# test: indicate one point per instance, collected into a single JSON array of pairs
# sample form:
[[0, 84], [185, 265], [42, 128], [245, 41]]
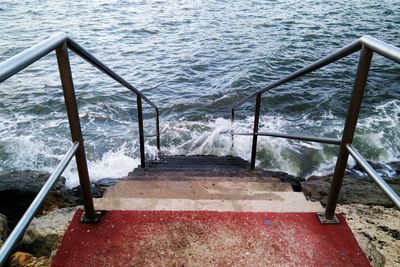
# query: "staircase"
[[207, 183], [206, 211]]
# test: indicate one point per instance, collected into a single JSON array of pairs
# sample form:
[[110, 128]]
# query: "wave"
[[376, 138]]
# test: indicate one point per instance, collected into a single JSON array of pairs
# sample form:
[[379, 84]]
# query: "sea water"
[[194, 60]]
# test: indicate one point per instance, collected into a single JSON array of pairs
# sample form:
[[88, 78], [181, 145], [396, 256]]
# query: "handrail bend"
[[60, 43], [22, 60], [367, 45]]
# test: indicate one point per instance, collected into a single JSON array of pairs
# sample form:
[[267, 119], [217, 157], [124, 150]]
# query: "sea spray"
[[194, 71]]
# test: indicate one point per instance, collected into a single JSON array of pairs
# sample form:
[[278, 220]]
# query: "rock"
[[395, 165], [22, 259], [294, 181], [18, 189], [97, 188], [44, 234], [361, 190], [3, 228], [376, 229], [387, 171]]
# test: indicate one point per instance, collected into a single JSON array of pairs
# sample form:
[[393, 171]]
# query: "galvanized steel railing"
[[60, 43], [367, 45], [26, 219]]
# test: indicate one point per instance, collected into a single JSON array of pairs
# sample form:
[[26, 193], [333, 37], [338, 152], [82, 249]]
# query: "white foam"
[[376, 138], [113, 164]]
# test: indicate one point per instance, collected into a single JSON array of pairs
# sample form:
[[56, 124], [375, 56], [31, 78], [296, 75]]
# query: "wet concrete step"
[[188, 176], [199, 160], [205, 170]]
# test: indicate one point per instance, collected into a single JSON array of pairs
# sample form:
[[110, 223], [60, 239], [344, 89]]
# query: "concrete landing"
[[199, 238]]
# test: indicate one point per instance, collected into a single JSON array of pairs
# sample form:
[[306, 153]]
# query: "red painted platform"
[[203, 238]]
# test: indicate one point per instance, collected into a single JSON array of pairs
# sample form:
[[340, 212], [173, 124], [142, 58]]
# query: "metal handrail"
[[83, 53], [376, 45], [374, 175], [26, 219], [60, 43], [324, 140], [367, 45], [339, 54], [22, 60]]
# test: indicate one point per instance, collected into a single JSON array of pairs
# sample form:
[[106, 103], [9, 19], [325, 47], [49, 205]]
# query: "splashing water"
[[195, 59]]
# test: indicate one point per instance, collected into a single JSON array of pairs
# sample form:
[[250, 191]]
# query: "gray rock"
[[44, 234], [386, 170], [3, 227], [18, 189], [361, 190]]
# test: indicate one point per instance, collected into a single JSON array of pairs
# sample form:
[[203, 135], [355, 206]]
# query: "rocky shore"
[[369, 213], [372, 217], [44, 234]]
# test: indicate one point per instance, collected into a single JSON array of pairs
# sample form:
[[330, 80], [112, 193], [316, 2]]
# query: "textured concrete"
[[276, 202], [204, 238], [272, 196], [196, 189]]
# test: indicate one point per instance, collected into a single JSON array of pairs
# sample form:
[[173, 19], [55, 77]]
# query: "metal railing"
[[26, 219], [60, 43], [367, 45]]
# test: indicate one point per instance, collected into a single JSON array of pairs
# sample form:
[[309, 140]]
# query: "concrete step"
[[197, 161], [200, 158], [274, 196], [197, 190], [276, 202], [189, 176], [222, 172]]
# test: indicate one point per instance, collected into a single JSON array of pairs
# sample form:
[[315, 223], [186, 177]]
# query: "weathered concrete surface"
[[361, 190], [209, 183], [196, 189], [377, 230], [204, 238], [273, 202]]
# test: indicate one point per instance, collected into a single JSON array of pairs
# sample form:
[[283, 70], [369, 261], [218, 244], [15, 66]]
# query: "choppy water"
[[195, 59]]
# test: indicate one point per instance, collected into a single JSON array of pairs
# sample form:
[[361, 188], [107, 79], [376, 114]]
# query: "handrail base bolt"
[[96, 219], [323, 220]]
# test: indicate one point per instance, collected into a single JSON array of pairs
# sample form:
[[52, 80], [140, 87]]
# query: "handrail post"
[[255, 131], [76, 133], [348, 132], [141, 132], [232, 133], [158, 129]]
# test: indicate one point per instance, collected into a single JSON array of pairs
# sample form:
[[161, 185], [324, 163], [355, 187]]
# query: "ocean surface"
[[194, 60]]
